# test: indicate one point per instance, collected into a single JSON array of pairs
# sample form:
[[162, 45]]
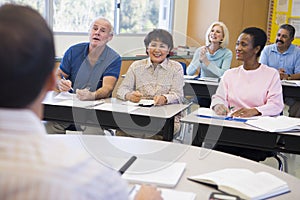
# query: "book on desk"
[[276, 124], [244, 183]]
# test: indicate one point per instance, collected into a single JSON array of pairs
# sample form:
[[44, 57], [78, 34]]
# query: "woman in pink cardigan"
[[251, 89]]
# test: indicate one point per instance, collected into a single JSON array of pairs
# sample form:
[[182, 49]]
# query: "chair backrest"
[[183, 67]]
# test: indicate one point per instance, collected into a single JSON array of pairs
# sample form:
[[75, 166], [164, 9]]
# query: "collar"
[[164, 64], [20, 121], [288, 51]]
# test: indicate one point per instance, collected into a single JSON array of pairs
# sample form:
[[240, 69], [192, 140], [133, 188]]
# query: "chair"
[[183, 67]]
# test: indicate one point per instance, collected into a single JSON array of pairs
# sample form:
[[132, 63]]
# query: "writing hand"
[[221, 109], [64, 85]]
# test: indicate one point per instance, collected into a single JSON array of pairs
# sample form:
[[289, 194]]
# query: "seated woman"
[[213, 59], [156, 77], [251, 89]]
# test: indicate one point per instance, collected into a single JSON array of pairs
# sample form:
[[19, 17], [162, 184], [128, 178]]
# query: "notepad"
[[244, 183], [167, 176], [167, 194], [142, 102], [292, 82], [209, 79], [276, 124]]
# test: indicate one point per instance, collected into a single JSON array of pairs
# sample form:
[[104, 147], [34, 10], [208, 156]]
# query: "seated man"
[[285, 57], [89, 69]]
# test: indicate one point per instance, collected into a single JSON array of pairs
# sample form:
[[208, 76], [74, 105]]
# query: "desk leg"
[[168, 130]]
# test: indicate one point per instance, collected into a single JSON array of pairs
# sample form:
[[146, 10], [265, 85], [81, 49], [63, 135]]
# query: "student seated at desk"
[[251, 89], [90, 69], [214, 58], [33, 164], [156, 77]]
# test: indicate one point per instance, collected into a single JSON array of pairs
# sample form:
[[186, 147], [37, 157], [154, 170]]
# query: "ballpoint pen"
[[65, 80]]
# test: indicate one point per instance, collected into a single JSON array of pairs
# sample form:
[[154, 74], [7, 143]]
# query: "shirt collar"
[[288, 51], [20, 121], [164, 64]]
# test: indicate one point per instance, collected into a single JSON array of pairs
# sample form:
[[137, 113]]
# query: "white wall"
[[132, 45]]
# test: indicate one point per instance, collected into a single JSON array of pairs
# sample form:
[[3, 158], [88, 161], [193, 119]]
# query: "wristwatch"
[[289, 77]]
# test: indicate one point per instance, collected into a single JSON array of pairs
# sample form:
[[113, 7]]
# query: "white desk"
[[114, 151], [232, 133], [117, 115]]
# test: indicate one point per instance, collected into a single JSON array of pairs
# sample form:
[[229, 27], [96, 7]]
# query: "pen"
[[127, 164], [65, 80], [223, 118]]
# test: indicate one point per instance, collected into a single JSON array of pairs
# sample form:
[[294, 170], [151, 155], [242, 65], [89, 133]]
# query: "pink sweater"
[[260, 89]]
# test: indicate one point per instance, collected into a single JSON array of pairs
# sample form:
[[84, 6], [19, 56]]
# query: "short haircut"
[[26, 55], [225, 41], [289, 28], [111, 31], [259, 37], [159, 35]]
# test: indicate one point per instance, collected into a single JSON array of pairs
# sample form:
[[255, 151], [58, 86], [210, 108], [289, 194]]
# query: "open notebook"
[[165, 176]]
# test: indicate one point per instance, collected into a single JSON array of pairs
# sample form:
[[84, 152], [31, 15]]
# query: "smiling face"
[[244, 48], [157, 51], [100, 33], [216, 34], [283, 39]]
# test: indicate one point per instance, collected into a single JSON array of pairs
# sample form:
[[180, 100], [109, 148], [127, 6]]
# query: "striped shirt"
[[34, 165]]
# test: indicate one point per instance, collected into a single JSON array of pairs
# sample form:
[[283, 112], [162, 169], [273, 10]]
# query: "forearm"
[[103, 92]]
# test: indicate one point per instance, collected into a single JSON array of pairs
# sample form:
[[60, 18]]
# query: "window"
[[128, 16]]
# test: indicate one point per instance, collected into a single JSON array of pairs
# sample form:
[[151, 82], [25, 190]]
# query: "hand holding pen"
[[65, 85]]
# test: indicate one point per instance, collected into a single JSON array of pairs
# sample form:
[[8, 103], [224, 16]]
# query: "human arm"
[[127, 85], [195, 63], [63, 84], [175, 93], [274, 98], [148, 192], [103, 92], [220, 66]]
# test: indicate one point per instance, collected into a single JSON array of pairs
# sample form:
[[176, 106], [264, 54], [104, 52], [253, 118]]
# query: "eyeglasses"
[[158, 45]]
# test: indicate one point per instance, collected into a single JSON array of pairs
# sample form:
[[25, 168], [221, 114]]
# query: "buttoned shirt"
[[288, 60], [166, 79], [34, 165]]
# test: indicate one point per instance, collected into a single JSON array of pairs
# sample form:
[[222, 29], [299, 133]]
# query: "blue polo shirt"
[[75, 63], [289, 60]]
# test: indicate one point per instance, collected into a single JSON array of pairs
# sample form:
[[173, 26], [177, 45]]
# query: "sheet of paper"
[[116, 107], [167, 194]]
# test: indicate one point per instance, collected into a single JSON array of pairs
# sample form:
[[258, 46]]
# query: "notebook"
[[164, 176]]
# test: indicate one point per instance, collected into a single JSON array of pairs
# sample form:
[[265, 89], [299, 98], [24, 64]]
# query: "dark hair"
[[289, 28], [159, 35], [259, 37], [26, 55]]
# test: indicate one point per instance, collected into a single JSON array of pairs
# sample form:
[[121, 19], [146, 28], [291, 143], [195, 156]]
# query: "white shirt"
[[34, 165]]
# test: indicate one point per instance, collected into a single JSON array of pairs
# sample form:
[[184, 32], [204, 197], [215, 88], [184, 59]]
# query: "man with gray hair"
[[90, 70]]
